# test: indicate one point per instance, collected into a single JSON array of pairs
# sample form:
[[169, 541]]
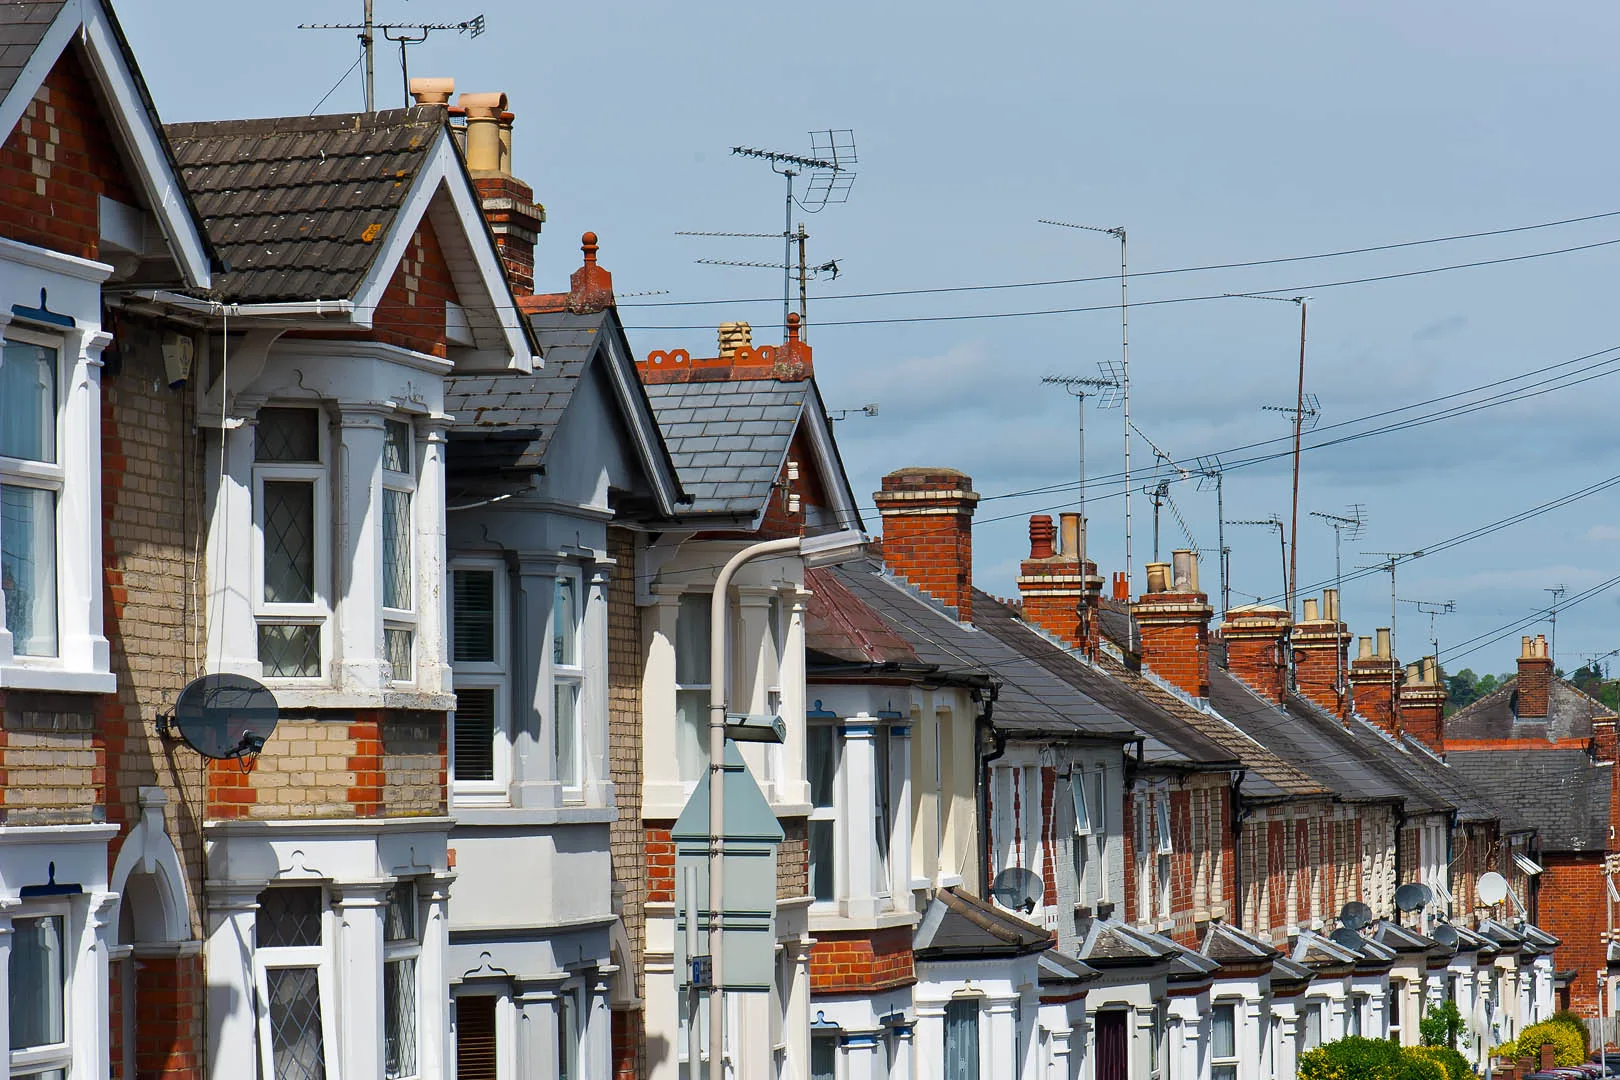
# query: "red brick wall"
[[1255, 650], [660, 863], [1534, 686], [1320, 663], [1177, 652], [928, 533], [168, 1017], [1370, 688], [411, 311], [861, 961], [56, 162], [1571, 902], [628, 1035]]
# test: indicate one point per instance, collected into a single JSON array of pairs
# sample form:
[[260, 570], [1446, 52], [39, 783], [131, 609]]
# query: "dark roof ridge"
[[352, 121]]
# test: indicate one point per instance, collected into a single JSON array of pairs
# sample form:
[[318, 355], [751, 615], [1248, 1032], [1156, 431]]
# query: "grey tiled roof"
[[728, 439], [1561, 793], [22, 26], [1493, 716], [958, 925], [298, 206]]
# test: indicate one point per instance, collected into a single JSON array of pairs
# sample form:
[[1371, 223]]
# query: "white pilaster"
[[83, 643], [596, 1048], [900, 810], [433, 620], [930, 1041], [856, 820], [534, 769], [357, 600], [998, 1049], [793, 785], [232, 633], [593, 705], [360, 949], [233, 1039], [537, 1030], [435, 1052]]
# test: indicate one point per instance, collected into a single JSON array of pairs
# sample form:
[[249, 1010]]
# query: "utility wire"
[[1491, 637], [1139, 273], [341, 80]]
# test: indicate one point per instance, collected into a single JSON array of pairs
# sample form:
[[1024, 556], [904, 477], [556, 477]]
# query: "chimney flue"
[[1184, 571], [1383, 643], [1364, 648], [1040, 536], [1330, 605], [1158, 577], [1312, 611], [734, 336], [483, 132], [430, 90], [1074, 536]]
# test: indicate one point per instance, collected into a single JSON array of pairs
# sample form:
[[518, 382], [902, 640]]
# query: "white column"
[[433, 620], [930, 1042], [857, 817], [900, 812], [1258, 1019], [92, 1043], [1143, 1042], [232, 634], [796, 1018], [233, 1040], [661, 1017], [435, 1051], [594, 696], [905, 1053], [997, 1049], [1285, 1057], [357, 596], [537, 1029], [596, 1049], [793, 787], [83, 643], [5, 981], [860, 1051], [360, 951], [534, 767], [1058, 1048]]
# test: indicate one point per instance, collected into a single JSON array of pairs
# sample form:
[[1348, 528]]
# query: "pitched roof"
[[839, 627], [297, 205], [22, 27], [729, 439], [1558, 792], [1494, 716], [959, 925]]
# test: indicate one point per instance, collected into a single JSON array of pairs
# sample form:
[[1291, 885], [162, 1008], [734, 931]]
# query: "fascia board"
[[638, 414], [831, 463]]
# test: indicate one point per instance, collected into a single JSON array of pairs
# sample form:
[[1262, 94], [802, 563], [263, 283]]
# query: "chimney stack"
[[1061, 590], [1173, 617], [1373, 677], [1534, 685], [928, 532], [1423, 704], [508, 203], [1256, 640], [1321, 667]]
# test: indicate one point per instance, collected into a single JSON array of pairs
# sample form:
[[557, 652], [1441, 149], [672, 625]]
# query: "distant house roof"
[[959, 926], [1494, 716], [729, 439], [1559, 792], [839, 628]]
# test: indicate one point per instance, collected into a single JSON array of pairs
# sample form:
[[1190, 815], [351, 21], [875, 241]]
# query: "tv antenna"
[[1558, 592], [1124, 367], [408, 34], [830, 177], [806, 272], [1274, 522], [1159, 493], [869, 409], [1392, 560], [1080, 388], [1346, 526], [1209, 470], [1432, 608]]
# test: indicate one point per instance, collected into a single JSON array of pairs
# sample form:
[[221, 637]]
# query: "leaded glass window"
[[401, 951]]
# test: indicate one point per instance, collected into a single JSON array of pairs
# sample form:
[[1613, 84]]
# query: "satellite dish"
[[1493, 888], [1355, 915], [1017, 888], [1413, 896], [1346, 938], [1446, 934], [225, 716]]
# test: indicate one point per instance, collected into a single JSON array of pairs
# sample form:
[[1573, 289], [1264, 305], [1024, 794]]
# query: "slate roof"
[[1493, 716], [22, 26], [1559, 793], [728, 439], [1227, 945], [958, 925], [296, 206], [1059, 969]]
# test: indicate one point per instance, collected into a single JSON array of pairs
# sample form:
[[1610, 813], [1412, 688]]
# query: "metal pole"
[[1299, 421], [1394, 668], [1220, 541], [1081, 398], [1338, 645], [1282, 544], [719, 650], [787, 252], [1125, 385], [804, 275], [366, 40]]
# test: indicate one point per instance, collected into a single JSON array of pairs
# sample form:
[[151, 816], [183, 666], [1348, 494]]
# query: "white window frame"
[[827, 814], [884, 765], [319, 957], [1080, 794], [1099, 829], [409, 949], [480, 675], [706, 599], [48, 476], [566, 677], [1218, 1061], [398, 618], [318, 611], [44, 1058], [1165, 854], [570, 1033]]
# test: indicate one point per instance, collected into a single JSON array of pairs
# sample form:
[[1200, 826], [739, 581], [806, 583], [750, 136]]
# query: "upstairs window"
[[398, 561], [291, 519], [824, 750], [567, 679], [31, 482], [480, 741], [692, 686]]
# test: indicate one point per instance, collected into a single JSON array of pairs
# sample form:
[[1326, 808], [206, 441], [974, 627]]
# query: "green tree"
[[1442, 1026]]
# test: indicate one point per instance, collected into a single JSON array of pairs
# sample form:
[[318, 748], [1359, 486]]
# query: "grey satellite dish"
[[1446, 934], [225, 716], [1413, 896], [1493, 888], [1355, 915], [1346, 938], [1017, 888]]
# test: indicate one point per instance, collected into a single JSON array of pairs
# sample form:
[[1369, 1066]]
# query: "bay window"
[[692, 621], [823, 748], [290, 480], [398, 562], [293, 978], [31, 481], [402, 947], [567, 677], [479, 732], [38, 971]]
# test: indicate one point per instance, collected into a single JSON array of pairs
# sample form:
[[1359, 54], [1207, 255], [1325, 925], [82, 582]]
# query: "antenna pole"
[[1080, 400], [1125, 386], [1394, 668], [367, 41], [1552, 647], [1220, 542], [787, 251], [1338, 644], [1299, 421], [804, 274]]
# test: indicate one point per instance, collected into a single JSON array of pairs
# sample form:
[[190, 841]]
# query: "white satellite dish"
[[1493, 888]]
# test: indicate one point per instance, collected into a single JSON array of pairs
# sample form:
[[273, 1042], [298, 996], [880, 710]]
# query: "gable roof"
[[1494, 716], [958, 925], [729, 439], [33, 36], [1558, 792]]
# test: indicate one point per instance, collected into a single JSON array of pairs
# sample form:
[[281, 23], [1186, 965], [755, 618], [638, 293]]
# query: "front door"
[[1113, 1054]]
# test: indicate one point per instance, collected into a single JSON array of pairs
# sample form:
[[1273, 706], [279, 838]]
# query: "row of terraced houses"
[[279, 400]]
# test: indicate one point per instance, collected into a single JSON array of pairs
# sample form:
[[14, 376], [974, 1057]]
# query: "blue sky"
[[1213, 134]]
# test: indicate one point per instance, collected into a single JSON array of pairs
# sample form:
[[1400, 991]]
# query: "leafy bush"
[[1455, 1065], [1573, 1019], [1442, 1026], [1357, 1058], [1569, 1042]]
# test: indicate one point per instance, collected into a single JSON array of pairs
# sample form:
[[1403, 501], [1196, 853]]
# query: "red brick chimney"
[[1173, 617], [1534, 686], [737, 356], [1321, 663], [928, 532], [1372, 681], [508, 203], [1060, 588], [1423, 704], [1256, 640]]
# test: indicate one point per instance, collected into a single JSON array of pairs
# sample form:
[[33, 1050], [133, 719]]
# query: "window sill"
[[505, 816], [56, 680], [825, 916], [311, 694]]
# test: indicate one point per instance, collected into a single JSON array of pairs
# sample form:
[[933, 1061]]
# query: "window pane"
[[290, 651], [396, 446], [692, 640], [296, 1046], [398, 646], [287, 435], [880, 826], [773, 618], [1082, 813], [473, 732], [28, 568], [396, 548], [289, 916], [289, 541], [821, 860], [475, 1038], [823, 1056], [691, 733], [962, 1040], [566, 731], [567, 1038], [399, 1019], [474, 616], [1223, 1072], [28, 402], [1224, 1038], [822, 745], [38, 981], [399, 922], [565, 623]]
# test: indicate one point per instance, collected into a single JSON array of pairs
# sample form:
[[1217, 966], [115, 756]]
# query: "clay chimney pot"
[[431, 90], [1330, 605], [1074, 536], [484, 131], [1158, 577], [1312, 611], [1364, 648], [1383, 643], [1184, 572], [734, 336], [1040, 536]]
